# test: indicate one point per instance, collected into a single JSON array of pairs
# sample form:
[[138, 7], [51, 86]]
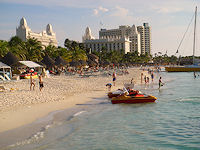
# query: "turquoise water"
[[173, 122]]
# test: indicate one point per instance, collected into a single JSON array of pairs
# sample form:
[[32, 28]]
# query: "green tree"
[[33, 50], [4, 49]]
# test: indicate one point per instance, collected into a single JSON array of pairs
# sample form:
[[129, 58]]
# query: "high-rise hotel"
[[131, 39]]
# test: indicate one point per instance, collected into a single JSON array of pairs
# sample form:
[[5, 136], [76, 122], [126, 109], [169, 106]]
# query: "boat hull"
[[133, 99], [182, 69]]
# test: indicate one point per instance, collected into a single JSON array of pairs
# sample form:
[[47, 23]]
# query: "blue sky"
[[69, 18]]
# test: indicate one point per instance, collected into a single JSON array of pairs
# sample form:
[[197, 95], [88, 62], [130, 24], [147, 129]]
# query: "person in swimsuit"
[[114, 78], [160, 83], [32, 82], [41, 85]]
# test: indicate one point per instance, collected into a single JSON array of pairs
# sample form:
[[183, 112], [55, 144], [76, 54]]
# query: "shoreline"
[[61, 93], [42, 121]]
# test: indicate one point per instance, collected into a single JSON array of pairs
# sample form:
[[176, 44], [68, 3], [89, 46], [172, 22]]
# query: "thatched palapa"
[[48, 61], [59, 61], [10, 59]]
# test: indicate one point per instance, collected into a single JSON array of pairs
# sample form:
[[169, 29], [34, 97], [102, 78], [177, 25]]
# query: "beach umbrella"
[[48, 61], [93, 57], [105, 63], [75, 64], [83, 62], [92, 63], [10, 59], [59, 61]]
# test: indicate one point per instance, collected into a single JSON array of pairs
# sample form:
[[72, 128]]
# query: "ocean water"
[[173, 122]]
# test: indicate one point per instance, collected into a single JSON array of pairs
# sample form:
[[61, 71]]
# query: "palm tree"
[[3, 48], [33, 50], [16, 46], [52, 51]]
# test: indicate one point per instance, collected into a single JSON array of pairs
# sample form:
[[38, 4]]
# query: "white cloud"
[[120, 12], [103, 9], [167, 9], [95, 12], [99, 10]]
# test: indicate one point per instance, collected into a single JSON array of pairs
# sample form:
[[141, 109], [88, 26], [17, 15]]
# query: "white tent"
[[5, 72], [30, 64]]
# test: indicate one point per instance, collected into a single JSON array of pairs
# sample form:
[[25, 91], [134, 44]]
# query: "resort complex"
[[107, 92], [47, 37], [126, 38]]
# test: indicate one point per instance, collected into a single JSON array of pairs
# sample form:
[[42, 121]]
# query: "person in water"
[[114, 78], [160, 82]]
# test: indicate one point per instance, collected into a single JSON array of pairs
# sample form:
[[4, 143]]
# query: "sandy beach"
[[20, 106]]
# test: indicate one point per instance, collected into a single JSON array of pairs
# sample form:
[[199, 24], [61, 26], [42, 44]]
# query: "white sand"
[[22, 106]]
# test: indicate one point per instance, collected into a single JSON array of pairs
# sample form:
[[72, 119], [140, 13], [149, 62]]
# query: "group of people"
[[146, 78], [32, 82]]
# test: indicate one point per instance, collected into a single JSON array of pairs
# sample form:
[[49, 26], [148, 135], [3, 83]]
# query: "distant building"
[[140, 37], [47, 37], [123, 31], [145, 38], [121, 44]]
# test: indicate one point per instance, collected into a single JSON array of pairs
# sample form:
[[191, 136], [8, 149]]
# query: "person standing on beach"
[[32, 82], [114, 78], [152, 76], [141, 77], [145, 79], [41, 85]]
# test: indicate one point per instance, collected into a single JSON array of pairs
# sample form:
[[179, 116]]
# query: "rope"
[[184, 35]]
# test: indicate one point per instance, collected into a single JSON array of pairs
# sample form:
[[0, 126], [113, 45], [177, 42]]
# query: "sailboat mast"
[[194, 42]]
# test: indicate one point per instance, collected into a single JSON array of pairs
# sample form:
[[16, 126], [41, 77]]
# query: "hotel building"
[[47, 37], [121, 44]]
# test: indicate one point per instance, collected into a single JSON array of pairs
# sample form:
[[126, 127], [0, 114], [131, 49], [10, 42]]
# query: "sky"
[[168, 19]]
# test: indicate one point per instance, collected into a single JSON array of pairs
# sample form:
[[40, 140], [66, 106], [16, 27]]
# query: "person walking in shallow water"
[[160, 82]]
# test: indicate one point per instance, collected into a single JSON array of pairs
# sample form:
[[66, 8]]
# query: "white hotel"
[[130, 39], [47, 37]]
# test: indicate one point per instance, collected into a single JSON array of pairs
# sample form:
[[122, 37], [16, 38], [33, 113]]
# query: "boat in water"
[[120, 91], [129, 99], [188, 68]]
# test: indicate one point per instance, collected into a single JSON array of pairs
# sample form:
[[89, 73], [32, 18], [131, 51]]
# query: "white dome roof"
[[49, 29], [23, 22]]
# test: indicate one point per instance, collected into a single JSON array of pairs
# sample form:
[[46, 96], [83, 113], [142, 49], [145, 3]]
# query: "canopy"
[[2, 65], [30, 64]]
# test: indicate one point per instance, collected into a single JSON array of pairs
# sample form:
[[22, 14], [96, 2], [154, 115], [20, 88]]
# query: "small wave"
[[35, 137], [189, 99], [78, 113]]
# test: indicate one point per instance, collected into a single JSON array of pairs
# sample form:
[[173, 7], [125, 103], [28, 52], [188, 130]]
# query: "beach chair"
[[2, 88]]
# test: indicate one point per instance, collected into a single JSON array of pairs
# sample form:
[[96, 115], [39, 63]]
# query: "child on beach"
[[109, 85]]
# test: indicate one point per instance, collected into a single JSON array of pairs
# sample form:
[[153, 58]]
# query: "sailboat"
[[187, 68]]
